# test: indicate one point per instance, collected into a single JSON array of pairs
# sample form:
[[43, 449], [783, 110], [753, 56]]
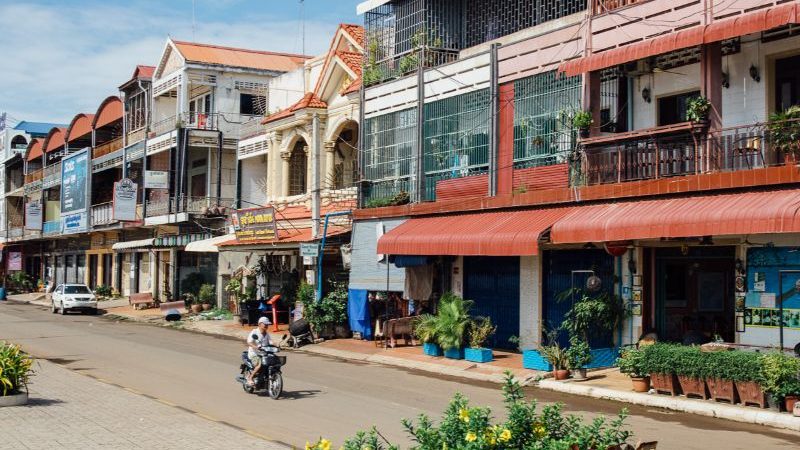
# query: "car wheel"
[[63, 310], [53, 306]]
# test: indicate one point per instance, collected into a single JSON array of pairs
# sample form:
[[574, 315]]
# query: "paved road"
[[323, 397]]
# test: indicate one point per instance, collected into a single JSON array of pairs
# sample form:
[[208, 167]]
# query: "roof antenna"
[[194, 39], [303, 24]]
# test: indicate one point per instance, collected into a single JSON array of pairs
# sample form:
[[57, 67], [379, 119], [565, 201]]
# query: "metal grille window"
[[456, 138], [297, 170], [543, 107], [388, 152]]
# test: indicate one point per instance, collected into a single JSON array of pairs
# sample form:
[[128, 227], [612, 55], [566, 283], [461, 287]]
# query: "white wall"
[[530, 301], [253, 176]]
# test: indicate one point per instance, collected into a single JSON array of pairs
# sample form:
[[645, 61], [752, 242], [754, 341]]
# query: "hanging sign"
[[74, 176], [125, 200], [33, 215], [14, 261], [156, 179], [255, 224], [309, 249]]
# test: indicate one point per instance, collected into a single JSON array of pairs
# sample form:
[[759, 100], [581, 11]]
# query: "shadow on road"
[[299, 395], [33, 401]]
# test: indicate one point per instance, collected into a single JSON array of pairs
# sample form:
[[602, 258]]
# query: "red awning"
[[709, 215], [501, 233], [752, 22]]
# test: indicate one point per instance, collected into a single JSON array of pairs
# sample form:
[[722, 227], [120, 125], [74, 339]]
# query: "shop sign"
[[74, 176], [14, 261], [75, 223], [125, 200], [33, 215], [255, 224], [156, 179], [309, 249]]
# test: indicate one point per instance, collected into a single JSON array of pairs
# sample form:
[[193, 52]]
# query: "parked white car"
[[73, 297]]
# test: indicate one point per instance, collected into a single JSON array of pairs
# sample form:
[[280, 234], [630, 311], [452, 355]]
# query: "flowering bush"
[[527, 427]]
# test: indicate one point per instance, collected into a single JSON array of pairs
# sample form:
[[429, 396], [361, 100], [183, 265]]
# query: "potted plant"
[[425, 329], [697, 109], [15, 370], [452, 323], [631, 362], [593, 315], [578, 356], [659, 363], [479, 332], [583, 121], [689, 366], [326, 314], [557, 357], [103, 291], [234, 289], [207, 295], [784, 131], [336, 307], [780, 373]]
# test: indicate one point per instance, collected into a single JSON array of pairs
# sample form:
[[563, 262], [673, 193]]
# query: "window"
[[787, 83], [387, 153], [672, 108], [254, 105], [199, 105], [297, 170], [76, 290]]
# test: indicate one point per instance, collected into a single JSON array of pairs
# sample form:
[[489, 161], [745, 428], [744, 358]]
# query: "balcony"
[[103, 214], [15, 231], [191, 205], [107, 148], [34, 176], [604, 6], [136, 135], [192, 120], [52, 175], [51, 228], [32, 234], [677, 150]]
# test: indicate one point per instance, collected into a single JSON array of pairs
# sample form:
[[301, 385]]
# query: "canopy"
[[208, 245], [708, 215], [496, 233], [141, 243]]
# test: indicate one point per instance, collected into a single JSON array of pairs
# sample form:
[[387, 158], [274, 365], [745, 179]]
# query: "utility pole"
[[315, 173]]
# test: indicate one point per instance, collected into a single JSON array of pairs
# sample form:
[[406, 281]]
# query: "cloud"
[[62, 60]]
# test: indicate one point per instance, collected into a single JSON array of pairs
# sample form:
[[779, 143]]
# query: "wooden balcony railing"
[[193, 205], [103, 213], [137, 135], [108, 147], [604, 6], [34, 176]]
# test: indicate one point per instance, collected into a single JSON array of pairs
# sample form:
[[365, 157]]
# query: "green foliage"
[[553, 352], [734, 366], [409, 63], [191, 284], [578, 354], [784, 129], [592, 314], [331, 309], [631, 362], [103, 291], [690, 361], [479, 331], [21, 281], [425, 328], [234, 288], [401, 198], [207, 293], [697, 108], [780, 374], [305, 293], [526, 426], [15, 368], [582, 120], [659, 358], [452, 321]]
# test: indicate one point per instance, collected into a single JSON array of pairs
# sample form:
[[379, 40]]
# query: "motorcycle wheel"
[[275, 386], [245, 387]]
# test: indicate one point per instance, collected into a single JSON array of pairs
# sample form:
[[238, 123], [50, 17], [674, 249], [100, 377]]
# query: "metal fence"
[[387, 158]]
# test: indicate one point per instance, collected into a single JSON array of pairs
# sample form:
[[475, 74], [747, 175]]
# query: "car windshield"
[[76, 290]]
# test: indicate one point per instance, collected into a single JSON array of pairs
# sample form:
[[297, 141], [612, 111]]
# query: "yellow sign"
[[255, 224]]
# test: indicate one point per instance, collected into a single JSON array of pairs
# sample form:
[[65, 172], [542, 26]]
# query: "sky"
[[63, 57]]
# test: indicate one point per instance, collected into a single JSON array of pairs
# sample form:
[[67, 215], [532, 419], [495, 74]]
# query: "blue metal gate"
[[493, 284], [562, 272]]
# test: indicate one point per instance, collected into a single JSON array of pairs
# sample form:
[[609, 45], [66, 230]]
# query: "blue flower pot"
[[454, 353], [479, 355], [532, 359], [431, 349]]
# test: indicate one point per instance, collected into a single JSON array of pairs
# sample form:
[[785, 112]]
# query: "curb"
[[701, 408]]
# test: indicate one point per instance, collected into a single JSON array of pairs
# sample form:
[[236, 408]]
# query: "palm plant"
[[453, 321], [425, 328]]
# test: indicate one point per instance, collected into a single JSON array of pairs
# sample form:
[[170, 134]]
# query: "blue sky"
[[62, 57]]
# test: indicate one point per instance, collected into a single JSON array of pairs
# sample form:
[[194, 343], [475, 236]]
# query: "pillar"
[[309, 168], [530, 301], [591, 99], [285, 157], [711, 89], [330, 165], [100, 269], [154, 278], [173, 273]]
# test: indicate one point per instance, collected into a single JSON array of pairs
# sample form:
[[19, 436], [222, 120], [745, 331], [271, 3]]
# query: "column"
[[173, 273], [591, 99], [154, 278], [309, 167], [100, 269], [711, 79], [285, 157], [329, 181]]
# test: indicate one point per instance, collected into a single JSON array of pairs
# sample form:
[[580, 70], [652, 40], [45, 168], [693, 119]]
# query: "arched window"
[[19, 143], [297, 169]]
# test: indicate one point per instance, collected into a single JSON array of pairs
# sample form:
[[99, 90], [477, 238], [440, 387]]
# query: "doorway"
[[493, 284], [787, 82], [694, 294]]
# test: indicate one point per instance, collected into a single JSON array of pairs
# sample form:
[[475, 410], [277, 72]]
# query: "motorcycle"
[[269, 378]]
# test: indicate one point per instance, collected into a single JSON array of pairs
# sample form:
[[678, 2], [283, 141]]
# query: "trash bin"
[[2, 293]]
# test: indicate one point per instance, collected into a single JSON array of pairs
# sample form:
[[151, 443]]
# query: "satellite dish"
[[593, 283]]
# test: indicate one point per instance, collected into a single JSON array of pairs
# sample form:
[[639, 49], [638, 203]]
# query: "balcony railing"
[[103, 213], [192, 205], [34, 176], [30, 234], [251, 126], [15, 232], [52, 175], [108, 147], [193, 120], [51, 227], [405, 64], [681, 150], [604, 6], [136, 135]]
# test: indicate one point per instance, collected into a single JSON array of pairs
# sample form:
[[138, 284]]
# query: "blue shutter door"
[[493, 284]]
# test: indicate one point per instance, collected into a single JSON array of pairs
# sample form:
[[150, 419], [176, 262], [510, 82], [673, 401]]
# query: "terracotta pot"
[[722, 389], [206, 306], [196, 308], [641, 384], [750, 393], [693, 387], [665, 383], [560, 374], [790, 401]]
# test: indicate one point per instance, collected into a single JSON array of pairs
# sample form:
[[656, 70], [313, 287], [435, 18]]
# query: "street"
[[323, 396]]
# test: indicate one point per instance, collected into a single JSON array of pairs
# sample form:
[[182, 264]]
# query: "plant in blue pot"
[[425, 327], [479, 332], [452, 324]]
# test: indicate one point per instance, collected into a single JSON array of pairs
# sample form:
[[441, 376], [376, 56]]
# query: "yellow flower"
[[539, 430], [309, 446], [505, 435], [324, 444], [471, 437], [463, 414]]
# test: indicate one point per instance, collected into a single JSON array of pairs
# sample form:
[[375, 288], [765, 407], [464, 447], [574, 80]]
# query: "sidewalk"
[[72, 411]]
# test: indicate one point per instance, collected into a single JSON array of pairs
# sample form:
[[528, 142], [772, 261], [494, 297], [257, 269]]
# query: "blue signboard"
[[74, 182]]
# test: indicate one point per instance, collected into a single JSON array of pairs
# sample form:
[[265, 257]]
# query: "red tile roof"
[[239, 57], [144, 72], [35, 149], [310, 100], [80, 126], [54, 139], [354, 86], [356, 31], [351, 59]]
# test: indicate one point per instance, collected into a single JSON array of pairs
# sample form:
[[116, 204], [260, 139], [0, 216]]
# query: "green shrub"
[[207, 293], [659, 358], [332, 309], [689, 361], [578, 354], [631, 362], [525, 426], [452, 321], [780, 373], [15, 368], [734, 366], [425, 328], [582, 120], [479, 331], [697, 108], [103, 291]]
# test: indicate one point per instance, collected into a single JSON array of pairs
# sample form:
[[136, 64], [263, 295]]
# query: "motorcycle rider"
[[259, 337]]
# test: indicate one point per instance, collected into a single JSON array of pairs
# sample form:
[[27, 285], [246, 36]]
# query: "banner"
[[125, 200], [156, 179], [74, 177], [74, 223], [14, 261], [255, 224], [33, 215]]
